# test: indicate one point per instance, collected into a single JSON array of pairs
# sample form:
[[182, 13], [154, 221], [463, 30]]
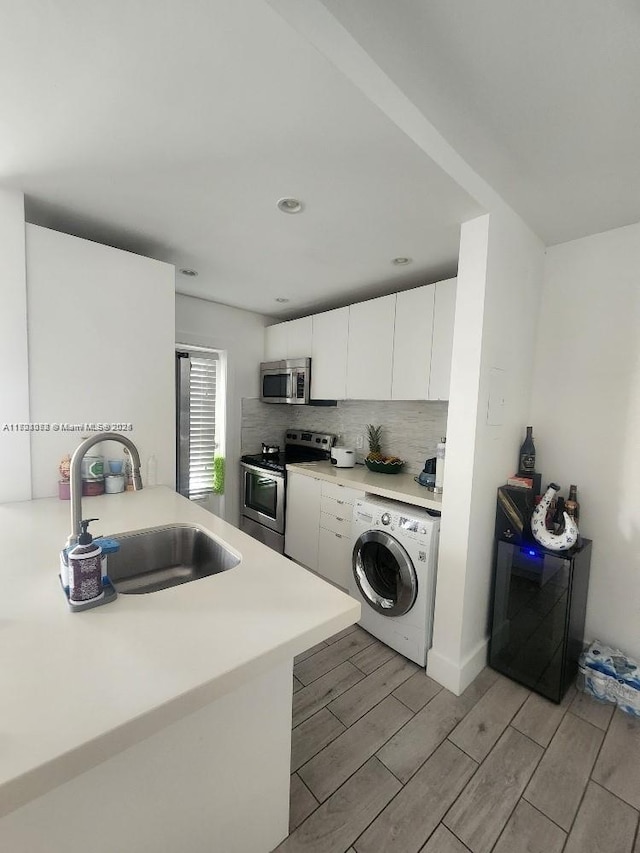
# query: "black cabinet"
[[539, 606]]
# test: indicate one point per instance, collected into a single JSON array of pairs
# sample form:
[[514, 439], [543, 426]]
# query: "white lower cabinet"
[[318, 530], [303, 520], [334, 557], [334, 539]]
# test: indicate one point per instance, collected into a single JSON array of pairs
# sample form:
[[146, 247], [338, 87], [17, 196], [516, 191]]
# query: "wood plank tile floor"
[[384, 760]]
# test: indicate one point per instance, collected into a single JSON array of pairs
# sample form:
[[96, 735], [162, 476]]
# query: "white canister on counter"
[[114, 484], [343, 457]]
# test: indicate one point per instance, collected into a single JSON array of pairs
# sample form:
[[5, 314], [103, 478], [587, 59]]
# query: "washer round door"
[[384, 573]]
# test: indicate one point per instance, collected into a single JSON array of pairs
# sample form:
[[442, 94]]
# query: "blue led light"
[[533, 553]]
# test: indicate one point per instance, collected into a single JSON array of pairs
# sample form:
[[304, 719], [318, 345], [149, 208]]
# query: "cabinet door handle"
[[339, 535]]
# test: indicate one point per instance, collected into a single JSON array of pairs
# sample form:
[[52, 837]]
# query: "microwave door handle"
[[290, 375]]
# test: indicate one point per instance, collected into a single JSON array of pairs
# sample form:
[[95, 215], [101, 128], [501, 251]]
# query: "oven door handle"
[[264, 471]]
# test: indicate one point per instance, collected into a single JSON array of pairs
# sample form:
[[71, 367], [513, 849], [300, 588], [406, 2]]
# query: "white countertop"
[[397, 487], [76, 687]]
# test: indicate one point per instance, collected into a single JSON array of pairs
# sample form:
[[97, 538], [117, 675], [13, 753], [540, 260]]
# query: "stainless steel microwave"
[[286, 381]]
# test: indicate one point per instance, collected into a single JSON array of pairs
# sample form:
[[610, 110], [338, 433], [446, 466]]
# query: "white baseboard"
[[456, 676]]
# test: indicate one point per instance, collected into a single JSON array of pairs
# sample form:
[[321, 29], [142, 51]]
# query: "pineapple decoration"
[[375, 455], [374, 436]]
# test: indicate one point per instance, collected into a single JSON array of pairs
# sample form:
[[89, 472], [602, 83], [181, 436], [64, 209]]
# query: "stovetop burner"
[[299, 447], [273, 462]]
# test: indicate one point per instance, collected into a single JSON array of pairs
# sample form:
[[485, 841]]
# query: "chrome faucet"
[[76, 474]]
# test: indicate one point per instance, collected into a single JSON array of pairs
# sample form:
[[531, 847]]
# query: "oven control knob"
[[386, 518]]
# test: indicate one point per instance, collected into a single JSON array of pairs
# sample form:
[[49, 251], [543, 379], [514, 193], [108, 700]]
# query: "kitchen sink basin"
[[166, 556]]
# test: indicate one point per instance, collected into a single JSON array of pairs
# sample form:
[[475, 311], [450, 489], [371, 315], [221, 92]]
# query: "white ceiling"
[[172, 128], [541, 98]]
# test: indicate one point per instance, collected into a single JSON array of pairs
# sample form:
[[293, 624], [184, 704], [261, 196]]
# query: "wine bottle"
[[527, 459], [558, 517], [550, 516], [572, 507]]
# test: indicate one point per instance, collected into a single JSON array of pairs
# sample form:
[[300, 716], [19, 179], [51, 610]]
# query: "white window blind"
[[203, 382]]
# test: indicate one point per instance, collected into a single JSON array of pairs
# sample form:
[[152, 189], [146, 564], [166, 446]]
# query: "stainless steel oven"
[[262, 511], [263, 483], [286, 381]]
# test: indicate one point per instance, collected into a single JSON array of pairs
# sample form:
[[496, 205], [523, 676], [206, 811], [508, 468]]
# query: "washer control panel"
[[413, 522]]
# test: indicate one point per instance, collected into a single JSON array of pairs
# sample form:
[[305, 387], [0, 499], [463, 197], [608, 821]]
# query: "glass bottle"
[[558, 516], [572, 507], [527, 458]]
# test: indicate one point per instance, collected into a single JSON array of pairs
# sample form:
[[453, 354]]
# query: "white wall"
[[101, 341], [15, 475], [499, 289], [586, 414], [241, 335]]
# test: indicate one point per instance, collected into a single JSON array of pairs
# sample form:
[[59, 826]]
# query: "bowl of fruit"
[[375, 459]]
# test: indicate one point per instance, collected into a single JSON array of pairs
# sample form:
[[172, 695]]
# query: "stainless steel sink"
[[166, 556]]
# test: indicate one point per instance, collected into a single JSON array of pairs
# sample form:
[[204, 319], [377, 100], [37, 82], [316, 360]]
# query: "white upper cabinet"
[[412, 343], [329, 355], [396, 347], [442, 347], [288, 340], [275, 342], [370, 355], [299, 337]]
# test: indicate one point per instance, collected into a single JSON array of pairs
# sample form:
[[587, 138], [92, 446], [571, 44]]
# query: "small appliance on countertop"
[[427, 477], [343, 457]]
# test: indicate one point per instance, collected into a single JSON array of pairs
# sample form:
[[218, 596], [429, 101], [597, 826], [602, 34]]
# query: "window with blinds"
[[197, 380]]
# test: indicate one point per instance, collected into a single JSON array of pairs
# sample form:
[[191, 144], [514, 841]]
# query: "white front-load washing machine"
[[395, 552]]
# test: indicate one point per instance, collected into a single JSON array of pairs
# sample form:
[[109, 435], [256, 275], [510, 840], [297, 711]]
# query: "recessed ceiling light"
[[401, 262], [189, 273], [290, 205], [281, 299]]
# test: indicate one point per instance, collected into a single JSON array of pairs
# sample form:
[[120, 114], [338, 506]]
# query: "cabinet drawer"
[[341, 509], [334, 558], [337, 524], [342, 494]]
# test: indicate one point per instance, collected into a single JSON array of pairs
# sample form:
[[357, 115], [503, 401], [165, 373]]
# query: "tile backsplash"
[[411, 429]]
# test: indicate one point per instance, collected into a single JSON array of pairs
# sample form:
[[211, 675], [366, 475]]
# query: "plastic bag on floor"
[[610, 676]]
